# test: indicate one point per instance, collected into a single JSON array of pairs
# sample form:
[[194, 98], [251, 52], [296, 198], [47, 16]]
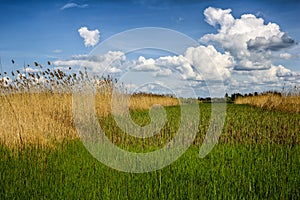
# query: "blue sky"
[[48, 30]]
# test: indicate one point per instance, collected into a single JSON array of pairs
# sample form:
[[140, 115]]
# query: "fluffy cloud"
[[219, 16], [210, 63], [73, 5], [274, 43], [163, 73], [262, 80], [111, 62], [251, 42], [180, 64], [146, 65], [285, 56], [91, 38], [281, 71], [30, 69], [248, 38], [198, 63], [197, 66]]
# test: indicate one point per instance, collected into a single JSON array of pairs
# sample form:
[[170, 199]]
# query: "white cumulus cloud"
[[263, 80], [210, 63], [111, 62], [285, 56], [247, 38], [90, 37], [198, 63]]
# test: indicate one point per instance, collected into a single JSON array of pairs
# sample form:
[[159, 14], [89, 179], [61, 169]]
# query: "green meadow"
[[257, 157]]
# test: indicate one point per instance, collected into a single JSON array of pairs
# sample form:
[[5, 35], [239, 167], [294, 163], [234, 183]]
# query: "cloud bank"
[[240, 55], [247, 38]]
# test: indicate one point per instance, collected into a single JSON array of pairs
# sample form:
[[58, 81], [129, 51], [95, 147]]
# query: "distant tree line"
[[234, 96], [150, 94]]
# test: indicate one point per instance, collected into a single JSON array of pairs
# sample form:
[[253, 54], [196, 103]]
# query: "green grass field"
[[257, 157]]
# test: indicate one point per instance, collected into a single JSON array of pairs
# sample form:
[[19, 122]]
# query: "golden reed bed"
[[43, 118], [36, 107], [272, 101]]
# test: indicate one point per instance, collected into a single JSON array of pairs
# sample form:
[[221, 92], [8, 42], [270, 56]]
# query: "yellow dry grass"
[[36, 107], [45, 118], [144, 102], [272, 101], [36, 118]]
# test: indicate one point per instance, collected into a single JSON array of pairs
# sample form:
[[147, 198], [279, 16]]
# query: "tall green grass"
[[257, 158], [228, 172], [243, 125]]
